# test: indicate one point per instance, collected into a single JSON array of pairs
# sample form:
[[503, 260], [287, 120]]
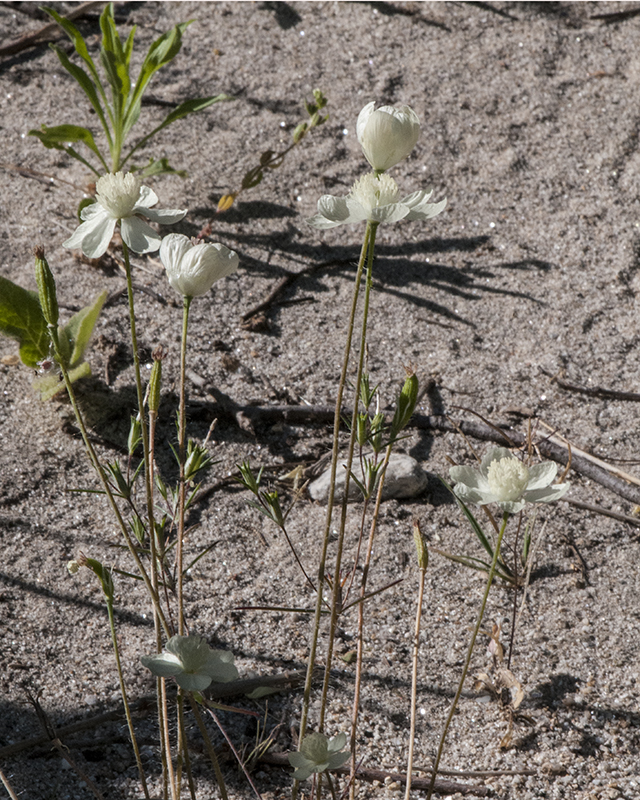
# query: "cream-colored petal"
[[139, 237]]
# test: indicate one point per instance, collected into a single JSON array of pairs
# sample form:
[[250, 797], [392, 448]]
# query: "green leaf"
[[78, 43], [58, 136], [21, 318], [79, 329], [159, 166], [163, 50], [81, 77], [114, 60]]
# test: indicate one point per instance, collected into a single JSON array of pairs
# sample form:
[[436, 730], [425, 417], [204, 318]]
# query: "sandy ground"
[[530, 129]]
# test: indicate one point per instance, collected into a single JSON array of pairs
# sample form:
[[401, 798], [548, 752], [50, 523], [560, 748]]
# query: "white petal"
[[334, 209], [220, 667], [139, 236], [470, 477], [416, 198], [541, 475], [193, 682], [201, 267], [93, 235], [322, 223], [513, 507], [392, 212], [547, 495], [172, 250], [363, 118], [164, 665], [472, 495], [147, 198], [165, 216], [426, 210]]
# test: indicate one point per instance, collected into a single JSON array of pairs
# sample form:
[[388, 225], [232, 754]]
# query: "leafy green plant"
[[119, 115], [21, 318]]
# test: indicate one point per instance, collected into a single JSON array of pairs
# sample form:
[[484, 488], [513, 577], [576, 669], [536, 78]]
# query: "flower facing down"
[[317, 754], [192, 269], [387, 135], [374, 198], [193, 664], [504, 479], [120, 197]]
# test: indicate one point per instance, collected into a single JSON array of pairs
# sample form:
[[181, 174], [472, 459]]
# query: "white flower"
[[317, 754], [192, 269], [504, 479], [374, 198], [120, 197], [193, 664], [387, 135]]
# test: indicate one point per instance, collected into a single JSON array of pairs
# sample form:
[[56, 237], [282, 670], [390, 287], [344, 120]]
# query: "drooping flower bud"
[[193, 269], [387, 135]]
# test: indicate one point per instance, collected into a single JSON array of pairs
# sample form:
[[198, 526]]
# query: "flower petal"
[[139, 236], [334, 209], [146, 198], [220, 667], [547, 495], [93, 235], [165, 216], [392, 212], [470, 477], [363, 118], [193, 682], [513, 507], [172, 250], [426, 210], [164, 665], [470, 495], [541, 475]]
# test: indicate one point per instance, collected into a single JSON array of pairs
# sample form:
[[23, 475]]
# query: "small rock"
[[404, 478]]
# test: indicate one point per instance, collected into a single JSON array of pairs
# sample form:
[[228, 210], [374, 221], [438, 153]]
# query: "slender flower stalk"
[[182, 434], [467, 662], [423, 562], [330, 500]]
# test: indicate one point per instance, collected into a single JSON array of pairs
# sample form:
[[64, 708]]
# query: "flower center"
[[508, 479], [118, 193], [372, 191]]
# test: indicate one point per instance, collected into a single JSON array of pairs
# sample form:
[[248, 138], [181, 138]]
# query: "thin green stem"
[[335, 603], [123, 692], [181, 454], [360, 646], [492, 572], [209, 747], [330, 500], [95, 461], [414, 682]]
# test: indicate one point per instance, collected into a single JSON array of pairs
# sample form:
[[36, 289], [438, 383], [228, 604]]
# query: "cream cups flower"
[[504, 479], [121, 198], [317, 754], [374, 198], [192, 663], [387, 135], [192, 269]]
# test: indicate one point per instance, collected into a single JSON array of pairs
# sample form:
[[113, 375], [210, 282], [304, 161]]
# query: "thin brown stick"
[[598, 391], [46, 33]]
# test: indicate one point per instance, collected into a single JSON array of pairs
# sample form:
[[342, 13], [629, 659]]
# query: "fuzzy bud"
[[46, 288]]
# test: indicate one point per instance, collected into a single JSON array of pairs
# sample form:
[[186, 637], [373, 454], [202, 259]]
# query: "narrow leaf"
[[58, 136], [78, 42], [80, 327]]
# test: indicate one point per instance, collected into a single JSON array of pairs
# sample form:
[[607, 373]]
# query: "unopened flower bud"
[[46, 288], [73, 566], [193, 269], [406, 403], [387, 135]]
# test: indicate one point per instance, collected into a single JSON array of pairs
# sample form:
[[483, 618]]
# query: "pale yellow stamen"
[[508, 478], [373, 191], [118, 193]]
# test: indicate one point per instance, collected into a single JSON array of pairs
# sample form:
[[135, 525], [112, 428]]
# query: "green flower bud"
[[406, 404], [299, 132], [155, 383], [421, 545], [46, 288]]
